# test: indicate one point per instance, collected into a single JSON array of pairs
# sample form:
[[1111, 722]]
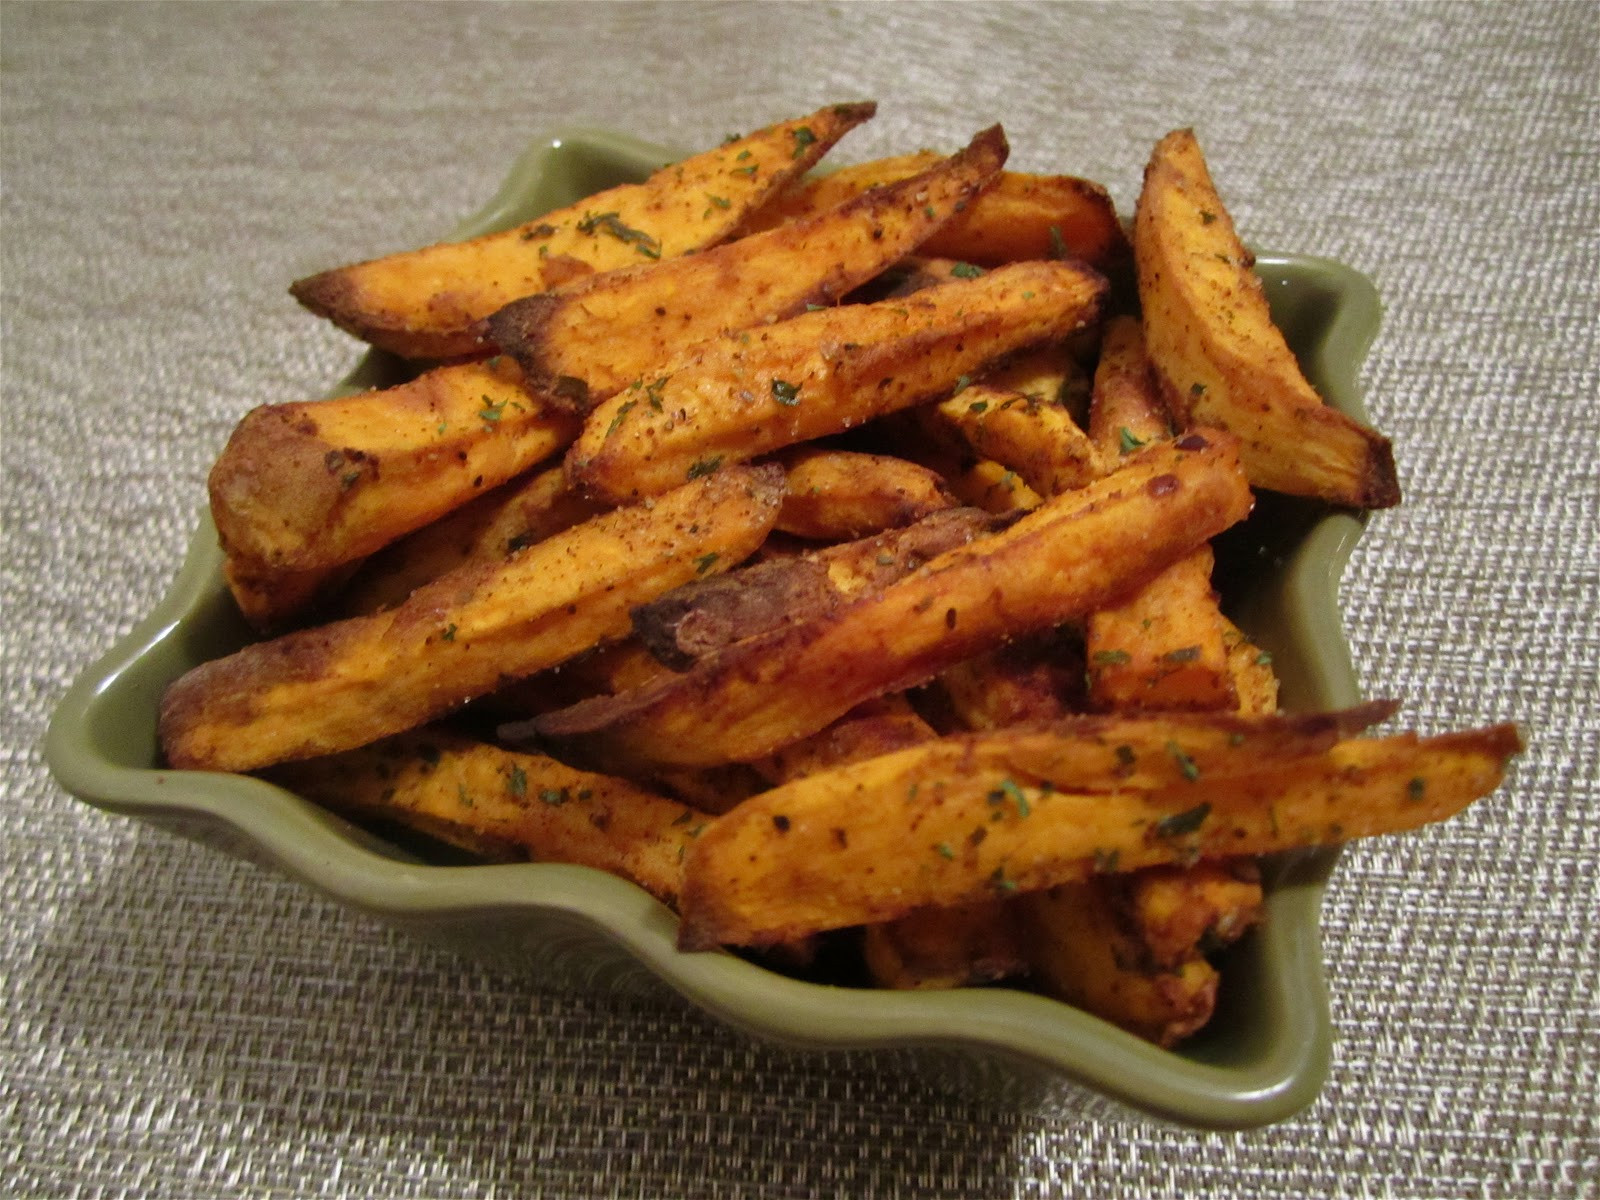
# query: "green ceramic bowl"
[[1264, 1055]]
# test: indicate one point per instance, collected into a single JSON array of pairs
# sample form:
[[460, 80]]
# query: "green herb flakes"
[[1184, 823], [1186, 765], [702, 467]]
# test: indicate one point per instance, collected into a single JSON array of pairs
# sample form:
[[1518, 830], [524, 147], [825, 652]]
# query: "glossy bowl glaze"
[[1265, 1053]]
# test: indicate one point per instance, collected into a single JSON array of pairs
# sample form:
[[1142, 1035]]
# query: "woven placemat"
[[178, 1023]]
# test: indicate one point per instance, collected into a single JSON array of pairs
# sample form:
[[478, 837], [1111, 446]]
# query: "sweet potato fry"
[[842, 495], [1132, 948], [1081, 952], [932, 948], [515, 514], [1220, 359], [505, 806], [1255, 684], [877, 727], [307, 485], [270, 600], [427, 303], [1164, 647], [874, 840], [339, 686], [1178, 911], [1033, 679], [1018, 217], [1075, 553], [821, 373], [703, 616], [628, 325], [1037, 441]]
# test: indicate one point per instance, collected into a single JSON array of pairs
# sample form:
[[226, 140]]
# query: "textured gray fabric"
[[177, 1023]]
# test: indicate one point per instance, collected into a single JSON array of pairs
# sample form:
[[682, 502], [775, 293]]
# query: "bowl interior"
[[1263, 1056]]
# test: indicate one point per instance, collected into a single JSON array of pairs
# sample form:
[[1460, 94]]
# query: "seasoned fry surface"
[[340, 686], [427, 303], [1220, 359], [832, 557]]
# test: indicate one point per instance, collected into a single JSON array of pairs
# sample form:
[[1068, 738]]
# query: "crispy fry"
[[1082, 953], [874, 840], [1255, 684], [1220, 359], [505, 806], [1033, 679], [489, 527], [1018, 217], [1164, 647], [1038, 441], [1125, 406], [704, 615], [981, 942], [821, 373], [270, 600], [628, 326], [841, 495], [308, 485], [1072, 555], [339, 686], [1178, 911], [427, 303], [876, 727]]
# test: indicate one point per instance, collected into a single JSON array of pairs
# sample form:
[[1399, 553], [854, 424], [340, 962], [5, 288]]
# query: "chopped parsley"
[[1186, 822], [703, 563], [622, 412], [1127, 442], [702, 467], [1186, 765], [786, 393], [803, 137], [517, 781], [612, 224], [966, 271]]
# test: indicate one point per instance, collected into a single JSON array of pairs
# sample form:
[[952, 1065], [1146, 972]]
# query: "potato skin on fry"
[[427, 303], [874, 840], [1221, 361], [343, 685], [1077, 552]]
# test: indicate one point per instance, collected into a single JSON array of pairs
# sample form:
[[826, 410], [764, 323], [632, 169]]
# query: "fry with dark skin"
[[428, 303], [343, 685], [1074, 554]]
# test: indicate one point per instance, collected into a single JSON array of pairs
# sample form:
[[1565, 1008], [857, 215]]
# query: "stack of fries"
[[827, 555]]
